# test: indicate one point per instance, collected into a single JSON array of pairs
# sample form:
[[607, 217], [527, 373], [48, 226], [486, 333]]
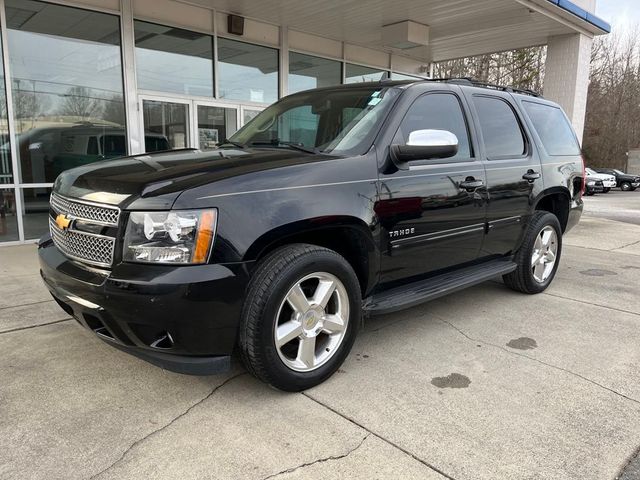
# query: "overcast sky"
[[619, 12]]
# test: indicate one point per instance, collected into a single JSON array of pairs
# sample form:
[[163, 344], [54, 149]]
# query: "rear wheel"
[[625, 186], [539, 255], [300, 318]]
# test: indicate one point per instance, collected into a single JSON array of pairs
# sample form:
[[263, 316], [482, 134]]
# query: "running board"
[[423, 291]]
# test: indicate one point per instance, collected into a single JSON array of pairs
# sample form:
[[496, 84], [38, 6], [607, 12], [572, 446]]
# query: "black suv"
[[624, 181], [332, 204]]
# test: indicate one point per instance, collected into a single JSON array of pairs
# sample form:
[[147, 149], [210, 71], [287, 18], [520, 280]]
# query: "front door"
[[171, 123], [214, 124], [166, 124], [432, 215]]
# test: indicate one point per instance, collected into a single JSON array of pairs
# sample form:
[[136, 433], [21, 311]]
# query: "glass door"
[[166, 124], [249, 113], [214, 124]]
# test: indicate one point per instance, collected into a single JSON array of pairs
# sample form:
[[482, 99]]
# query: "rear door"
[[512, 166]]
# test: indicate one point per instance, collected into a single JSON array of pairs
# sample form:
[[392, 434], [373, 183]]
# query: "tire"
[[527, 278], [270, 303], [606, 190], [625, 186]]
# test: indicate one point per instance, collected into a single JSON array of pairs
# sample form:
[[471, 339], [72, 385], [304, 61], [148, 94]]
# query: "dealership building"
[[86, 80]]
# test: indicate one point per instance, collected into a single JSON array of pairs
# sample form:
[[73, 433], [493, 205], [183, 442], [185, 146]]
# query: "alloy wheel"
[[544, 256], [311, 322]]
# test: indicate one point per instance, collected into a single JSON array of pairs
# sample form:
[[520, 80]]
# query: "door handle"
[[470, 184], [531, 176]]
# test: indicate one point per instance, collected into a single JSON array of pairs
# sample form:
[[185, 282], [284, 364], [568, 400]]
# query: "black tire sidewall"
[[279, 374], [625, 186]]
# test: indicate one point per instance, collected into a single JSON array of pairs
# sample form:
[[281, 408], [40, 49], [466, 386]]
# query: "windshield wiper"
[[231, 142], [277, 142]]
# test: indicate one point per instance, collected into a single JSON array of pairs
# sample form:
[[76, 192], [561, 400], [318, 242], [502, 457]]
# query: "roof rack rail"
[[478, 83]]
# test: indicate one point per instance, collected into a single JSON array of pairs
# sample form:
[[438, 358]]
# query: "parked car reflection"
[[45, 152]]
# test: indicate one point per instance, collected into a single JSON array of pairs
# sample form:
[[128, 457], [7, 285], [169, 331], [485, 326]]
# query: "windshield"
[[619, 172], [590, 172], [342, 121]]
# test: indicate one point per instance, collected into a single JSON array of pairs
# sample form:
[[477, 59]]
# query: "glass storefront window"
[[307, 72], [67, 86], [404, 76], [6, 169], [247, 72], [173, 60], [35, 203], [8, 220], [358, 73]]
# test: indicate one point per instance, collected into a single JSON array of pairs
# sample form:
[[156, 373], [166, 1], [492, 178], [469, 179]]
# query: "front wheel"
[[606, 190], [539, 255], [300, 318], [625, 186]]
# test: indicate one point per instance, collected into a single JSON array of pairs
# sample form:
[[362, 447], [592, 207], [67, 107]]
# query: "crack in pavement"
[[320, 460], [26, 304], [586, 379], [590, 303], [19, 329], [625, 246], [380, 437], [140, 440]]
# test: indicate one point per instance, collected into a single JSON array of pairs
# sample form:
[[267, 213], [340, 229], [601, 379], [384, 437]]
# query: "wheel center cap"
[[311, 319]]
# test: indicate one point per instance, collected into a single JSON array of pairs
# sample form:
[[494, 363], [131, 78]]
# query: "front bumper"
[[181, 318], [609, 183]]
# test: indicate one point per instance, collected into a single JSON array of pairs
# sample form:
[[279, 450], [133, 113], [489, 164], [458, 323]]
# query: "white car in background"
[[608, 181]]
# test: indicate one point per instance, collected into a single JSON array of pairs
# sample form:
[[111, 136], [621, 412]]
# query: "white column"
[[566, 79], [134, 129]]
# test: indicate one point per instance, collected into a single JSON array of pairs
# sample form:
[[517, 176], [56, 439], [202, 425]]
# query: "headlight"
[[177, 236], [591, 184]]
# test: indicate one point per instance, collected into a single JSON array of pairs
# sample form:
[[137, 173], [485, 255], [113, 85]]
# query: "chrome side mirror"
[[426, 145]]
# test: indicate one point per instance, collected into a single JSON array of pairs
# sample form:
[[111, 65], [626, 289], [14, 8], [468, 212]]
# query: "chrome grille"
[[99, 214], [86, 247]]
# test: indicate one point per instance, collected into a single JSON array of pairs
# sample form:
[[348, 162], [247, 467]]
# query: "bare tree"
[[79, 102], [612, 124]]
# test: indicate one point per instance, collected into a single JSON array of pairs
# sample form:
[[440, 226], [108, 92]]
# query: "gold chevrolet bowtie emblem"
[[62, 221]]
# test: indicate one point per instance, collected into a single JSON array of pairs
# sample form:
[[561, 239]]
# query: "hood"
[[154, 181]]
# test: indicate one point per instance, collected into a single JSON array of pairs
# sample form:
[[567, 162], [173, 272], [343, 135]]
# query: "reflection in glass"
[[403, 76], [247, 72], [67, 87], [8, 221], [307, 72], [165, 125], [358, 73], [35, 203], [173, 60], [249, 114], [215, 124], [6, 169]]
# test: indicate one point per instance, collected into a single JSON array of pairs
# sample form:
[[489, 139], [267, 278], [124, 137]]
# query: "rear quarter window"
[[553, 128]]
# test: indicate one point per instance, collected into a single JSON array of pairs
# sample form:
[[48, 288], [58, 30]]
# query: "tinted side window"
[[438, 111], [500, 128], [553, 129]]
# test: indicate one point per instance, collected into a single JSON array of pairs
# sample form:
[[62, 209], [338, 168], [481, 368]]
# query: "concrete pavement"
[[483, 384]]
